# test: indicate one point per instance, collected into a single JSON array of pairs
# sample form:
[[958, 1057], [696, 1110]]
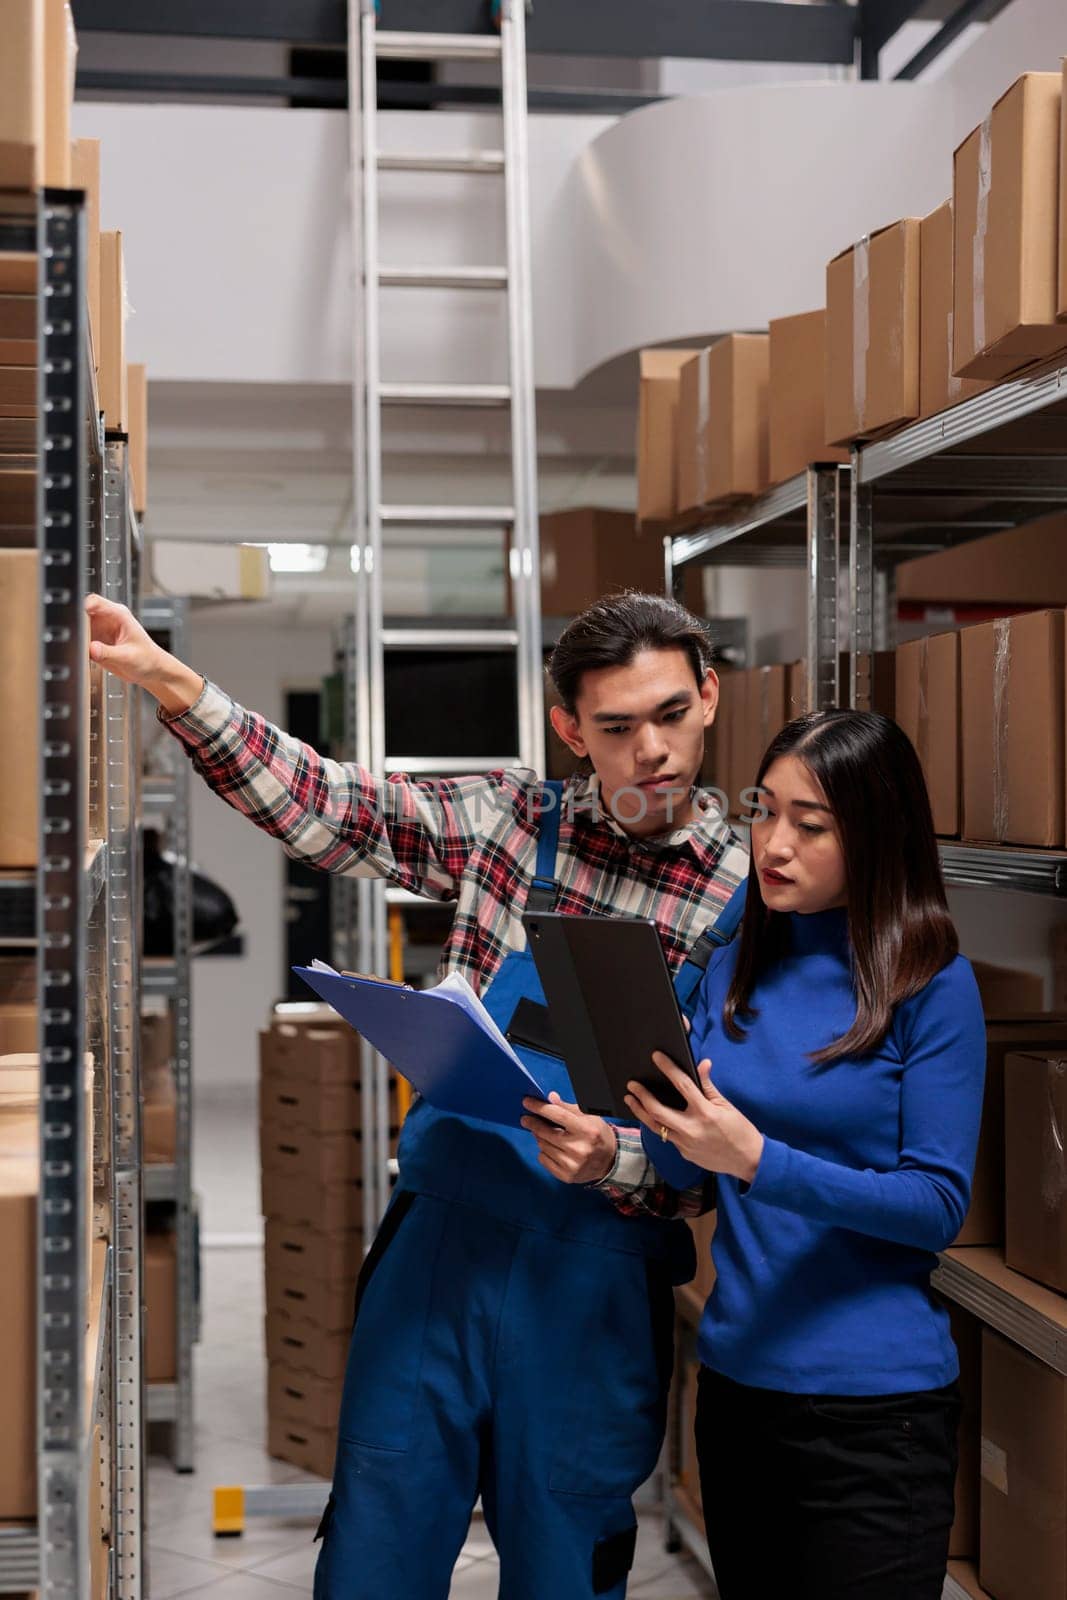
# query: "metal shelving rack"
[[167, 796], [78, 911], [994, 462], [797, 523]]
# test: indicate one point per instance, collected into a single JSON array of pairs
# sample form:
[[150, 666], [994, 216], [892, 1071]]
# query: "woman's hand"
[[710, 1132], [118, 642], [574, 1147]]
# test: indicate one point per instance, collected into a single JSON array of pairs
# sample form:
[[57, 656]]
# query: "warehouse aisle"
[[276, 1558]]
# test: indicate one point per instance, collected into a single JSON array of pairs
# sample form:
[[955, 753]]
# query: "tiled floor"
[[276, 1558]]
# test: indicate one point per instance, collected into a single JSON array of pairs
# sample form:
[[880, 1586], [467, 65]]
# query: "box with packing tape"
[[872, 334], [796, 396], [657, 433], [722, 428], [1012, 726], [1005, 201], [939, 388], [928, 709]]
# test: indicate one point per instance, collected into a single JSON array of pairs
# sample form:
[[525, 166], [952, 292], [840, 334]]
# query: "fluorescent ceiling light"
[[297, 557]]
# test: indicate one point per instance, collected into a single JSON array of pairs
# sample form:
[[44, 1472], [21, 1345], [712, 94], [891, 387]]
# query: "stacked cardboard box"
[[311, 1150], [797, 396], [1035, 1186], [589, 552], [1012, 724], [19, 1167], [161, 1306], [967, 1335], [1005, 200], [939, 388], [36, 93], [657, 433], [928, 710], [722, 429], [872, 334], [159, 1114]]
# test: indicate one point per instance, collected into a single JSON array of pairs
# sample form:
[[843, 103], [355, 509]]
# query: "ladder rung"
[[478, 161], [437, 46], [449, 638], [448, 766], [445, 394], [443, 277], [448, 516]]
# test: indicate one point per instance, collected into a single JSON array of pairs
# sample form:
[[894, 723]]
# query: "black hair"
[[900, 930], [615, 630]]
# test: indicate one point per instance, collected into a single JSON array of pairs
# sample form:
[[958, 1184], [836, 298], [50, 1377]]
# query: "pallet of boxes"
[[311, 1152]]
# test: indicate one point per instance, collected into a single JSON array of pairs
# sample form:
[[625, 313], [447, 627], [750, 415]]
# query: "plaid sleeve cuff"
[[630, 1169], [209, 714]]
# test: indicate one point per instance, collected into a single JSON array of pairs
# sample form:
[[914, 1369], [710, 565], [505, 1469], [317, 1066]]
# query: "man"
[[513, 1333]]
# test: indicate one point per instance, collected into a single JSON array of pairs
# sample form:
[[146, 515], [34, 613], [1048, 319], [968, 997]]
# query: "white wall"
[[232, 995]]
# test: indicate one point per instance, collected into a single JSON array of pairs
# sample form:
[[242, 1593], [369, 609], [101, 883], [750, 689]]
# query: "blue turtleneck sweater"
[[823, 1261]]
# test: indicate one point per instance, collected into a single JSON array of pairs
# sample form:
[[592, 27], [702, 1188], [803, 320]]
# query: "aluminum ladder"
[[517, 520]]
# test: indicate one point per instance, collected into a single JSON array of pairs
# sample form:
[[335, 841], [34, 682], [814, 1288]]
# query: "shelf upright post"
[[823, 564], [860, 588], [62, 1268], [124, 921]]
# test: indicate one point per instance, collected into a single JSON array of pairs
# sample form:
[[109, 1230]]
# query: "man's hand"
[[575, 1148], [118, 643]]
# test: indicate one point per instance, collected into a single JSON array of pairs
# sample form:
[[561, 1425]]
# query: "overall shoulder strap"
[[713, 938], [544, 889]]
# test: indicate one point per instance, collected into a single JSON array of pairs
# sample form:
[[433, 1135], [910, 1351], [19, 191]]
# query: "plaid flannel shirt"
[[473, 841]]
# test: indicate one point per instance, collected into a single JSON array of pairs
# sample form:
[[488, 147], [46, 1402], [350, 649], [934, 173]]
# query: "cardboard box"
[[1008, 993], [723, 449], [657, 445], [927, 699], [60, 56], [299, 1344], [984, 1222], [300, 1397], [114, 390], [161, 1307], [796, 397], [327, 1158], [1035, 1188], [85, 174], [796, 690], [18, 1005], [328, 1304], [967, 1334], [588, 553], [159, 1127], [302, 1253], [1012, 726], [938, 387], [330, 1207], [22, 97], [19, 1168], [1023, 1545], [1020, 567], [157, 1042], [312, 1449], [872, 334], [19, 673], [1005, 201], [764, 715], [137, 390]]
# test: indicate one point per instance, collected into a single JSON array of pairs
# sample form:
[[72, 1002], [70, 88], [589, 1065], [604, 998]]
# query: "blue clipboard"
[[440, 1048]]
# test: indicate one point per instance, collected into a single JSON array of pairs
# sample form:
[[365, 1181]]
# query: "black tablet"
[[610, 1004]]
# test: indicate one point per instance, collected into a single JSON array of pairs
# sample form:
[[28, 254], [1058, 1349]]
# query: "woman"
[[840, 1109]]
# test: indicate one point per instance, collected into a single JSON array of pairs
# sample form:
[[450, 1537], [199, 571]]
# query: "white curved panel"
[[701, 215]]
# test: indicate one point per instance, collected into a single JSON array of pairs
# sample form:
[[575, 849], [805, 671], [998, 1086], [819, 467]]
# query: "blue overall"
[[513, 1340]]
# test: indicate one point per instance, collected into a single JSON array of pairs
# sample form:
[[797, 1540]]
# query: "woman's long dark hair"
[[898, 920]]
